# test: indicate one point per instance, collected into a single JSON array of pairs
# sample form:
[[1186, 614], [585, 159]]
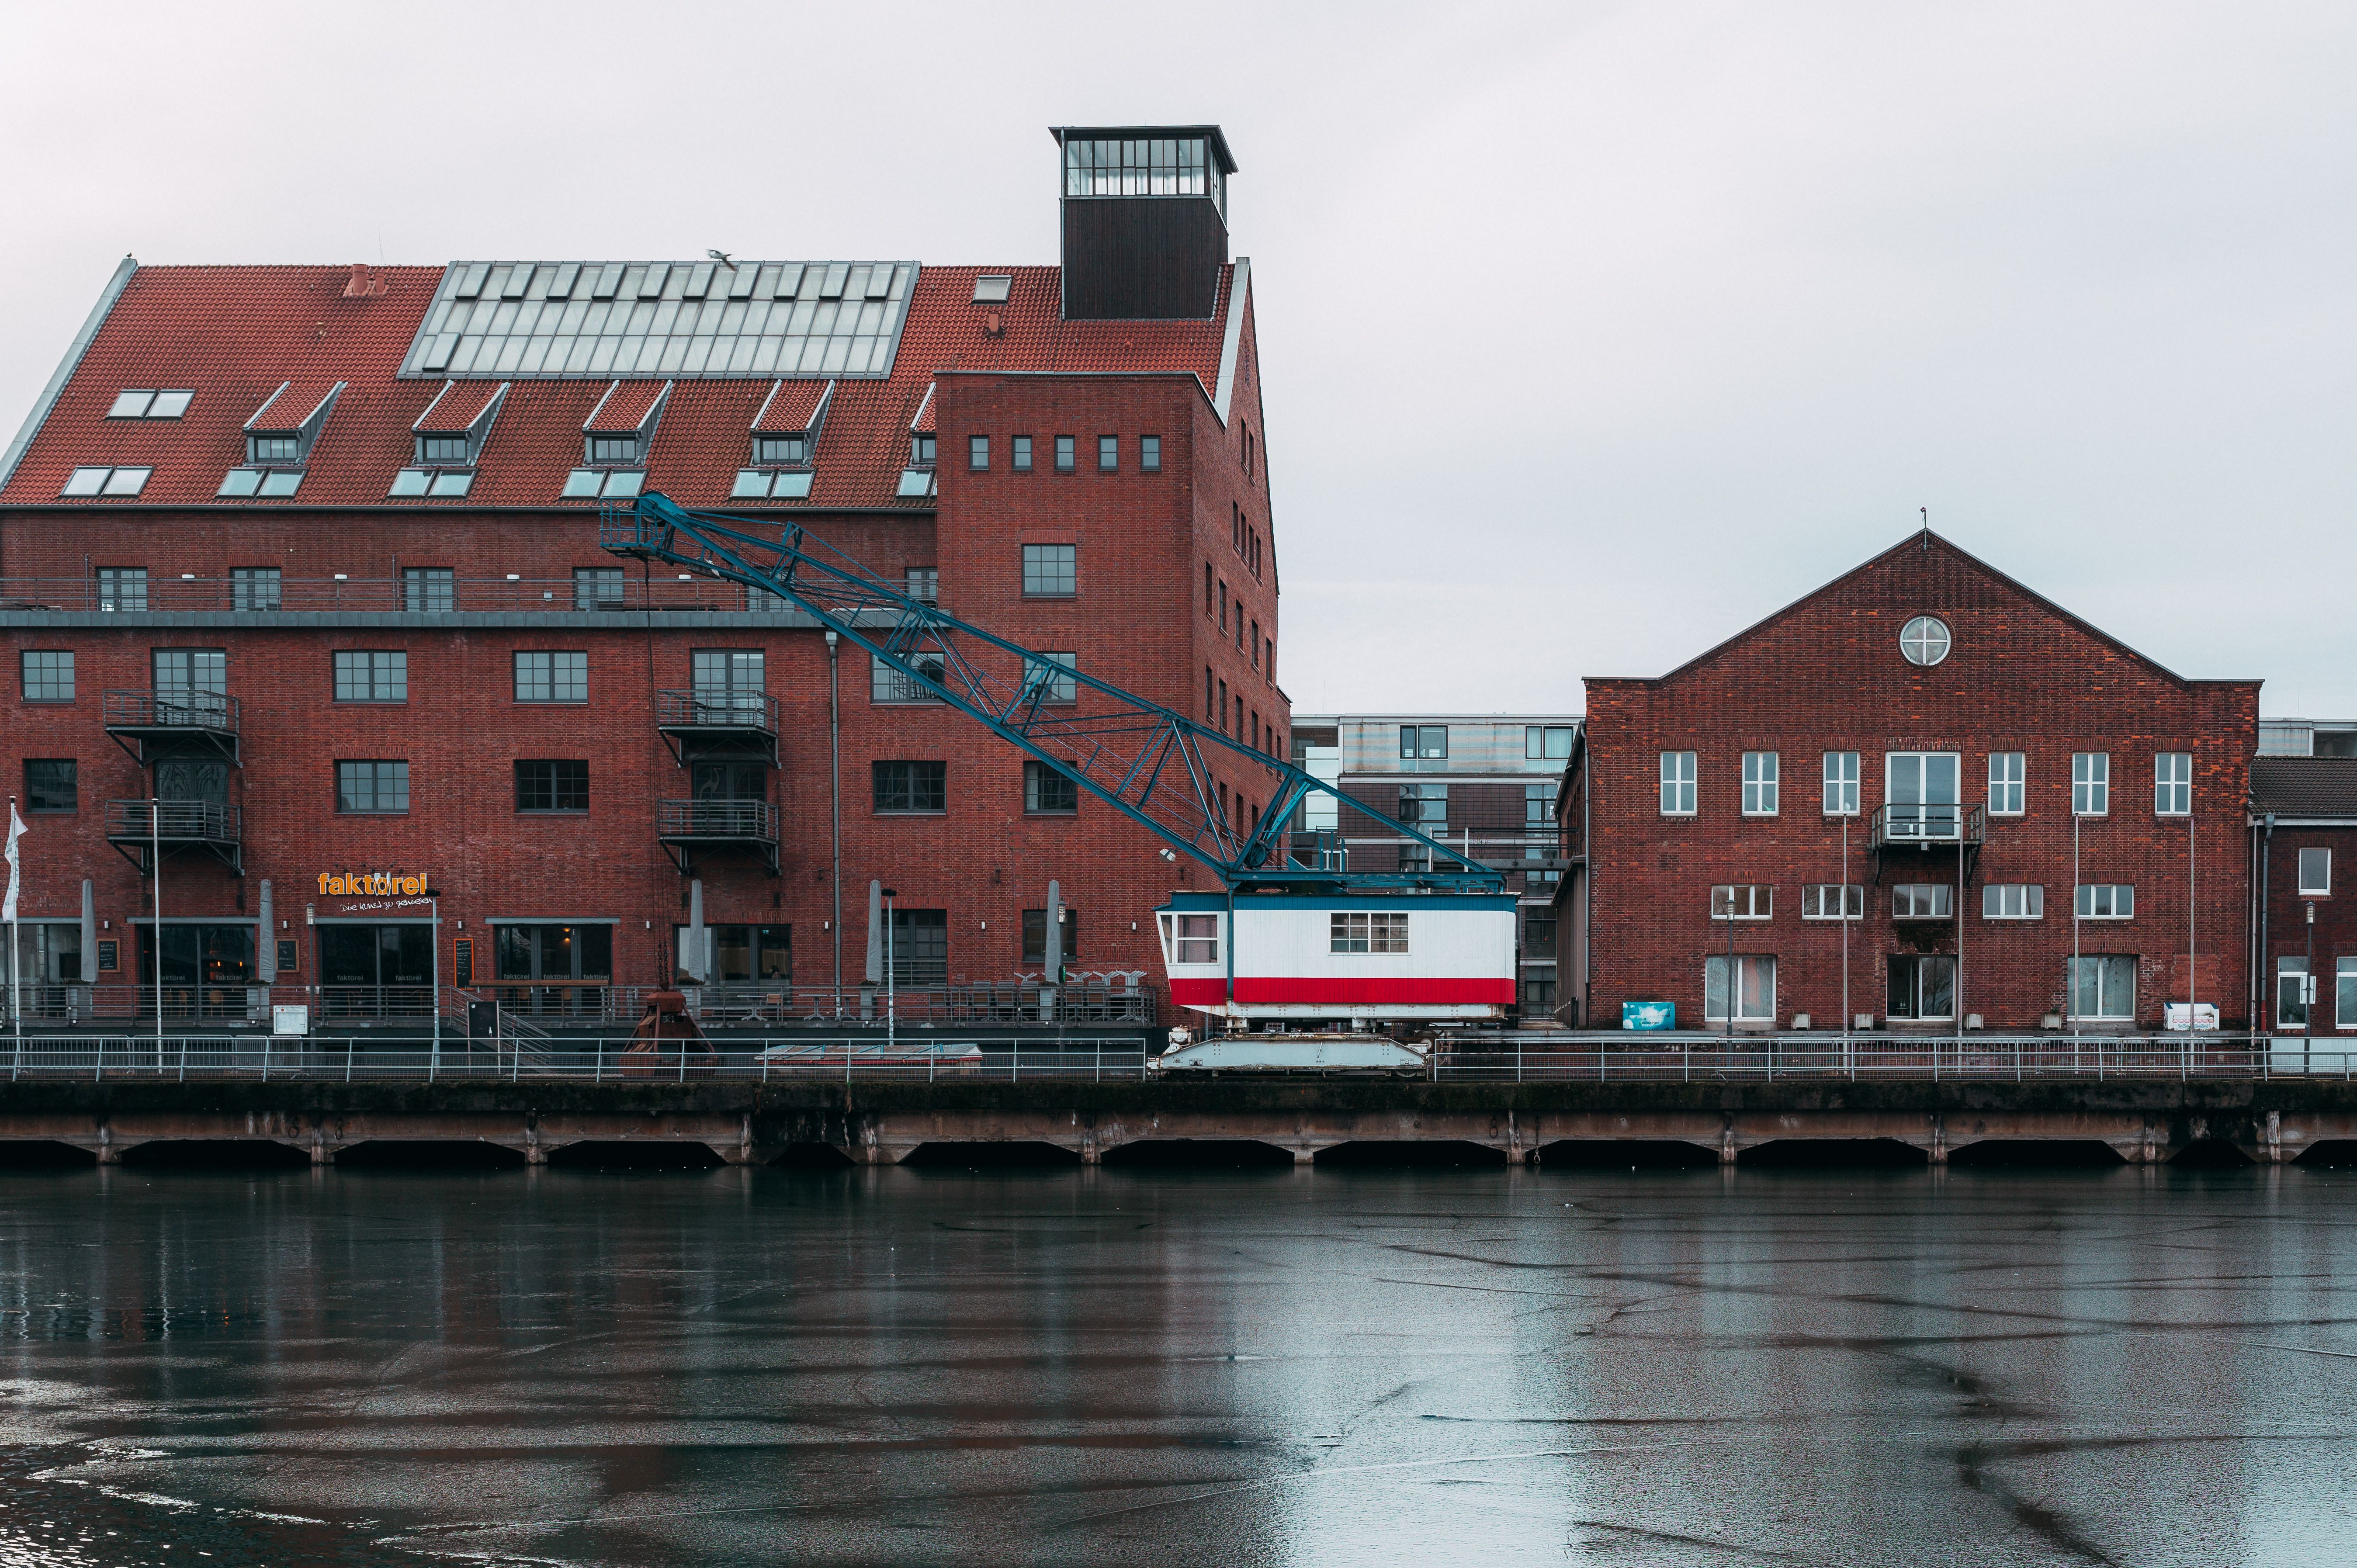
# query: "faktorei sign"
[[371, 884]]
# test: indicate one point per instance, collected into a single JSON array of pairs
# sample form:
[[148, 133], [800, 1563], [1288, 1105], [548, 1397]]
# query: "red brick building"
[[2303, 919], [303, 582], [1929, 779]]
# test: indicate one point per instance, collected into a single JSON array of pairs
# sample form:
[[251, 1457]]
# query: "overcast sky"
[[1591, 332]]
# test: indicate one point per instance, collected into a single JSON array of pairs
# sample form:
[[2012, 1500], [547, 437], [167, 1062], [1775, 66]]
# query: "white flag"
[[16, 831]]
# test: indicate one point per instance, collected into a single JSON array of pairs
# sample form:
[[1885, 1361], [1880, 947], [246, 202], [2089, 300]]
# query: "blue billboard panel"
[[1649, 1015]]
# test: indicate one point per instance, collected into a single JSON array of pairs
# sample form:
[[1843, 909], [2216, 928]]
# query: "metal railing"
[[171, 709], [195, 1058], [665, 592], [716, 710], [1903, 823], [1554, 1056], [181, 822], [755, 819]]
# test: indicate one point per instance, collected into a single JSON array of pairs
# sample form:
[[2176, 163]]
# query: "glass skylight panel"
[[794, 485], [240, 482], [86, 482], [170, 405], [623, 482], [991, 289], [131, 405], [456, 484], [281, 482], [518, 280], [699, 281], [470, 286], [582, 483], [784, 322], [560, 287], [916, 482], [410, 482], [749, 482], [126, 482]]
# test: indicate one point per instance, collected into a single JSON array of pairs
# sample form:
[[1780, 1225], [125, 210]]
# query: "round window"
[[1924, 641]]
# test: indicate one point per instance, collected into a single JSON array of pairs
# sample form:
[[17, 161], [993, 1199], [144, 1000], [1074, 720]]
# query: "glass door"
[[1920, 795]]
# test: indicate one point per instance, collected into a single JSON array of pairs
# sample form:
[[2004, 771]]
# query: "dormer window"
[[921, 450], [278, 441], [613, 449], [785, 436], [615, 440], [274, 448], [781, 449], [451, 436], [441, 450]]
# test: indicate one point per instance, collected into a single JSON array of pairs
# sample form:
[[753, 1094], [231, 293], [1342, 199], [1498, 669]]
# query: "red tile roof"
[[290, 404], [454, 413], [792, 407], [235, 333], [625, 407]]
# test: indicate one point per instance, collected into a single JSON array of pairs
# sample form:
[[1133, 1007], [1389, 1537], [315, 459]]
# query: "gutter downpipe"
[[2262, 978], [835, 789], [1587, 879]]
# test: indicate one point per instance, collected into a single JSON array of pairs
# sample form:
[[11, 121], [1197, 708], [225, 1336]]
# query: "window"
[[1051, 571], [613, 449], [432, 482], [1922, 986], [1922, 901], [106, 481], [597, 588], [1742, 902], [1427, 743], [1048, 793], [134, 404], [741, 955], [2103, 985], [274, 448], [553, 952], [1065, 461], [991, 288], [2314, 873], [430, 590], [1924, 641], [925, 585], [2006, 773], [2013, 901], [770, 449], [552, 786], [1538, 932], [2344, 994], [442, 449], [2172, 784], [1755, 989], [1841, 783], [49, 784], [1832, 901], [264, 482], [1191, 938], [1760, 783], [1035, 935], [372, 675], [256, 588], [1538, 805], [1022, 454], [1108, 454], [1149, 454], [904, 786], [2106, 901], [2091, 783], [48, 675], [372, 786], [1920, 794], [1425, 808], [1050, 677], [919, 947], [1367, 933], [886, 684], [551, 676], [1677, 783], [1546, 743], [123, 587], [612, 484], [712, 783], [977, 453], [924, 449], [732, 680]]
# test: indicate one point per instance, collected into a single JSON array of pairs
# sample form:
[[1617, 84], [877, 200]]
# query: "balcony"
[[142, 829], [719, 725], [1915, 831], [687, 828], [173, 722]]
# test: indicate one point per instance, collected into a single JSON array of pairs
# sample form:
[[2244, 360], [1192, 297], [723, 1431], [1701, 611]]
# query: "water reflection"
[[1257, 1366]]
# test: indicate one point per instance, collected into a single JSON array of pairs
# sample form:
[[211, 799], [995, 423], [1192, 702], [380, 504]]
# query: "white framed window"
[[1924, 641], [2103, 985], [2295, 990], [1760, 783], [1190, 939], [2314, 873], [1677, 783], [2091, 783], [2106, 901], [1922, 901], [2172, 784], [1377, 933], [2007, 790], [1841, 783], [106, 481], [2344, 994], [1742, 902], [2013, 901], [1831, 901], [1921, 795], [1755, 988]]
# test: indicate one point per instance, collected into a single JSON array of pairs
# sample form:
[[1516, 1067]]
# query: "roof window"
[[137, 403], [741, 280], [267, 483], [991, 288], [106, 482], [519, 279], [777, 485], [915, 483], [699, 281], [650, 282], [560, 283], [609, 280], [432, 482], [790, 280], [608, 484]]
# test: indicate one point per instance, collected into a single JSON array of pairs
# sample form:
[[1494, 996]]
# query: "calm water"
[[1286, 1368]]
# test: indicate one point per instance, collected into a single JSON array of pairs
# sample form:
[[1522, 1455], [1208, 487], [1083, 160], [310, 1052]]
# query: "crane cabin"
[[1341, 958]]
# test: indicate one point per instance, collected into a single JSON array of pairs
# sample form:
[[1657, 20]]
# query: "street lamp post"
[[433, 908], [2307, 993], [891, 1026]]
